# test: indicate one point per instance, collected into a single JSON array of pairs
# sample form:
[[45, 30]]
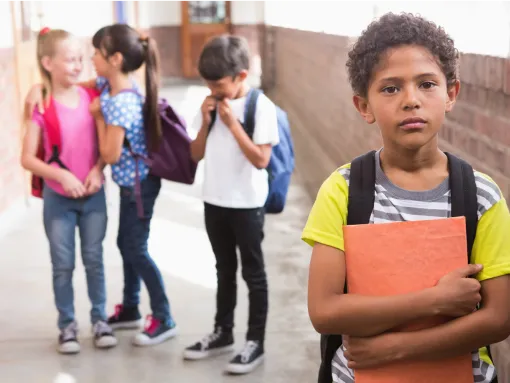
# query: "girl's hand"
[[95, 108], [72, 185], [94, 181]]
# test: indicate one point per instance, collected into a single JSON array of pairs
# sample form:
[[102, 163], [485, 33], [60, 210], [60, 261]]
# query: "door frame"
[[186, 58]]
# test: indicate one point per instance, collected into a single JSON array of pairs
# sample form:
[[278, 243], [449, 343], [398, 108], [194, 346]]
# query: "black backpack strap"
[[360, 207], [249, 111], [464, 196], [361, 189]]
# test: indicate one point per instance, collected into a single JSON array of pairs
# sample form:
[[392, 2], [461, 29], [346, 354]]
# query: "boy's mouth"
[[413, 123]]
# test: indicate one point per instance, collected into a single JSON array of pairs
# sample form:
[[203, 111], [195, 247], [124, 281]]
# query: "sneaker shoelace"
[[70, 332], [208, 339], [151, 324], [247, 351], [102, 328]]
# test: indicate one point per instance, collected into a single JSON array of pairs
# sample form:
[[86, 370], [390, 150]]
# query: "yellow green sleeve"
[[329, 214], [492, 242]]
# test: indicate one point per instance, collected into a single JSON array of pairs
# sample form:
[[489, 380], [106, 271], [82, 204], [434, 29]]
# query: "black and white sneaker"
[[217, 343], [103, 335], [68, 340], [125, 318], [250, 357], [155, 332]]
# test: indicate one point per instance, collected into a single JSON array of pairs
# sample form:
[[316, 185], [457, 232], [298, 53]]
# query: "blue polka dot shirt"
[[125, 110]]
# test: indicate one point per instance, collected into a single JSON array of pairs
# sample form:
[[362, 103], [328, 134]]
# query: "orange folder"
[[403, 257]]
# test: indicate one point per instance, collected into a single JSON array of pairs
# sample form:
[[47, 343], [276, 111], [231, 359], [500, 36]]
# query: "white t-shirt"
[[230, 179]]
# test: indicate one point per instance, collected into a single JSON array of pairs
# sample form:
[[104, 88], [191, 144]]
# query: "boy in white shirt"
[[235, 190]]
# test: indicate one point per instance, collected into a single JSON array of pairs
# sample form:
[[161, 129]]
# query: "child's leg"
[[134, 248], [249, 226], [223, 242], [60, 216], [132, 281], [92, 225]]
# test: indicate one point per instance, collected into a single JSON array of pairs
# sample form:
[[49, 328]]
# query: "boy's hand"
[[95, 108], [457, 294], [207, 107], [372, 351], [72, 185], [226, 114], [94, 181], [34, 100]]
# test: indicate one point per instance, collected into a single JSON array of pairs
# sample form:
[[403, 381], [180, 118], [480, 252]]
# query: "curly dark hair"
[[392, 30]]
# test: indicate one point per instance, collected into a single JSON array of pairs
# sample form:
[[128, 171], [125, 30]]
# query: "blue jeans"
[[132, 241], [61, 217]]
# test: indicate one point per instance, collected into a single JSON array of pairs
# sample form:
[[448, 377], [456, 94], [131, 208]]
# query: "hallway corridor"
[[180, 246]]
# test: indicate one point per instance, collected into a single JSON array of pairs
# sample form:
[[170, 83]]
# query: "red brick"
[[506, 82], [482, 124], [466, 68], [494, 73], [501, 131], [480, 69]]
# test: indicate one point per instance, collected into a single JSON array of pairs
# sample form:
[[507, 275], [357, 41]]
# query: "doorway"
[[201, 20]]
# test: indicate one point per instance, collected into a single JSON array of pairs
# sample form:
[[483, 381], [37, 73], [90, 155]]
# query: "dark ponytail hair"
[[136, 50]]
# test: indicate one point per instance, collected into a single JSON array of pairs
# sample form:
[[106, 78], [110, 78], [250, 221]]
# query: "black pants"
[[228, 229]]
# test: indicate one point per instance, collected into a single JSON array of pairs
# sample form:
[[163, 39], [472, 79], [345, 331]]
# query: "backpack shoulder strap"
[[249, 111], [464, 196], [361, 189], [52, 125]]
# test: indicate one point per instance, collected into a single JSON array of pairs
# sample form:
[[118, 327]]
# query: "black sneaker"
[[155, 332], [68, 340], [250, 357], [219, 342], [125, 318]]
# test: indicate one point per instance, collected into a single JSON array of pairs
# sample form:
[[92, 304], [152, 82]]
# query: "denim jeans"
[[61, 217], [132, 241]]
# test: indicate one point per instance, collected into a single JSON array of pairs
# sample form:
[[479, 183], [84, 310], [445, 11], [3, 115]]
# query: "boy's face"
[[227, 87], [408, 97]]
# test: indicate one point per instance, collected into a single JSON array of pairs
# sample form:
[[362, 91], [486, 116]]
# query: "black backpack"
[[360, 206]]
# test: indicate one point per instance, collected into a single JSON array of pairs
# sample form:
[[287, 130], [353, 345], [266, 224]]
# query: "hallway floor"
[[180, 247]]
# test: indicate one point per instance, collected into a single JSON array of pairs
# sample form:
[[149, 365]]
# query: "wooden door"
[[201, 20]]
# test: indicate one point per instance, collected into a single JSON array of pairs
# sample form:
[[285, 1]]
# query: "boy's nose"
[[411, 100]]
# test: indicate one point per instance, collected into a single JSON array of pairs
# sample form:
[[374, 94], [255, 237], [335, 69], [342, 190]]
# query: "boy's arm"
[[333, 312], [490, 324], [198, 144], [258, 155]]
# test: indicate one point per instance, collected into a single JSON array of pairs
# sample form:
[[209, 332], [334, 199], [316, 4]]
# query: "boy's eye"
[[390, 89], [428, 85]]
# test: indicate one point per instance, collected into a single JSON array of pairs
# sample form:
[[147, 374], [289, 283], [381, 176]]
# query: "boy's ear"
[[452, 92], [243, 75], [361, 104]]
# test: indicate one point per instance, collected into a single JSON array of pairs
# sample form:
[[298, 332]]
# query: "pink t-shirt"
[[79, 150]]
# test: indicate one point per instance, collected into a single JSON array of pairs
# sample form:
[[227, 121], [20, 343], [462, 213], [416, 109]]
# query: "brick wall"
[[304, 72]]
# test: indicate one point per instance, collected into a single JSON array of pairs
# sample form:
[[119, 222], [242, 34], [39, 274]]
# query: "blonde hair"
[[46, 47]]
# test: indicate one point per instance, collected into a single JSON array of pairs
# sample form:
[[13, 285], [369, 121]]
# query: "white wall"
[[158, 13], [6, 36], [476, 26], [78, 17]]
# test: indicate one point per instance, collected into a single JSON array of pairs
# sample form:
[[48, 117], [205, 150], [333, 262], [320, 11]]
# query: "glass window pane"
[[206, 12]]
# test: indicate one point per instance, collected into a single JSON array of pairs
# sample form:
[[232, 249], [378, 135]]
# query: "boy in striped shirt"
[[404, 74]]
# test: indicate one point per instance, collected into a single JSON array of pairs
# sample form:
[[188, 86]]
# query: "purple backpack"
[[172, 161]]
